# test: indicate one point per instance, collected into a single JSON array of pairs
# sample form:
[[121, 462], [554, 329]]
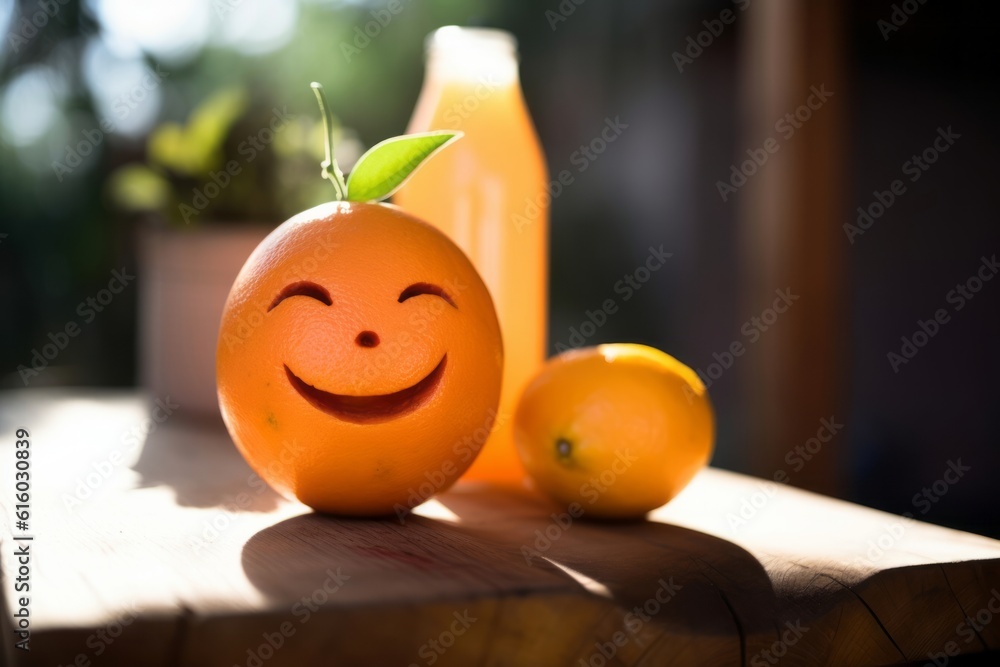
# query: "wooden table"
[[166, 550]]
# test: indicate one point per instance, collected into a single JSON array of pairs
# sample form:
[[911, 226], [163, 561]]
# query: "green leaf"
[[387, 165]]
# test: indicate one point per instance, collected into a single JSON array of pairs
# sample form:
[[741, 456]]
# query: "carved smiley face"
[[366, 408], [359, 356]]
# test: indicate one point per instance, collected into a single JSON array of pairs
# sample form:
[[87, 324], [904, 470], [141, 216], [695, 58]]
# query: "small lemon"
[[620, 429]]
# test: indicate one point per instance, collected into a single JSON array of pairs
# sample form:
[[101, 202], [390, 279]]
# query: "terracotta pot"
[[185, 278]]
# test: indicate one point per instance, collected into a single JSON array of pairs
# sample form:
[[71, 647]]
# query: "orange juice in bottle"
[[488, 192]]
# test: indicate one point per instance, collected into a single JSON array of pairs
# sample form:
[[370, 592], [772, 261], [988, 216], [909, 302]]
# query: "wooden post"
[[791, 214]]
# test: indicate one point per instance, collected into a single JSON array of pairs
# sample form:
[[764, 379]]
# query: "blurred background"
[[115, 113]]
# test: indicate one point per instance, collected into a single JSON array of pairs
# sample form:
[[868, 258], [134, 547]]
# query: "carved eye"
[[302, 288], [416, 289]]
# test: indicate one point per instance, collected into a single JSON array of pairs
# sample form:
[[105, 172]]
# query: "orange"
[[618, 429], [359, 360]]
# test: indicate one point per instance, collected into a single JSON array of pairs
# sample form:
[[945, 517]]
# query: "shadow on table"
[[199, 461], [506, 543]]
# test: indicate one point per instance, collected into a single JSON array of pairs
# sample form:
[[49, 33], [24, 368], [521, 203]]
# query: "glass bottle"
[[488, 192]]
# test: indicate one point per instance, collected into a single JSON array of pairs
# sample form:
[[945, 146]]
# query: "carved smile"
[[372, 408]]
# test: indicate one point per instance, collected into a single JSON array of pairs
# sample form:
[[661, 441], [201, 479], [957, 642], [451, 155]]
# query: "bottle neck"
[[471, 56]]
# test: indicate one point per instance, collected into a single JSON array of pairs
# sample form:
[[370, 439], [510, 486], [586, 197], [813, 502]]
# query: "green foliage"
[[196, 148], [214, 101]]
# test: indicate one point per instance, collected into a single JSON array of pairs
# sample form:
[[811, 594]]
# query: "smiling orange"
[[359, 360]]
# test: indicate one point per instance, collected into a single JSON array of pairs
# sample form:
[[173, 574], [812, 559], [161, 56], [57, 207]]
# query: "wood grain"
[[187, 560]]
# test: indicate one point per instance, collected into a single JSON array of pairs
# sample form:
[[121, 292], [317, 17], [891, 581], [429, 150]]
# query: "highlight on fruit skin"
[[618, 429]]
